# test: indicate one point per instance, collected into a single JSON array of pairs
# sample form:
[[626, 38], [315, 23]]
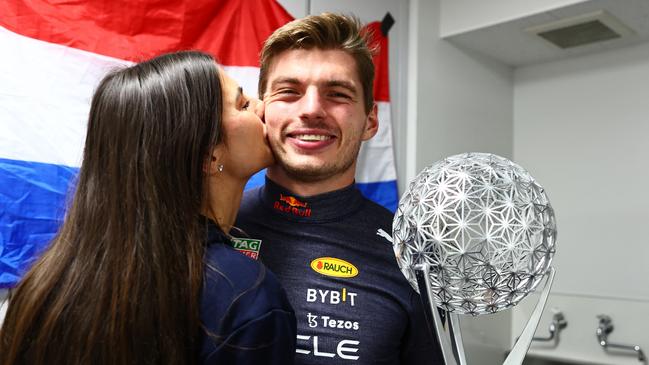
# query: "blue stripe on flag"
[[382, 192], [32, 203], [33, 200], [257, 179]]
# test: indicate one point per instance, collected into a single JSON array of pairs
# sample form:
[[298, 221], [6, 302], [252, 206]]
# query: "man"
[[318, 233]]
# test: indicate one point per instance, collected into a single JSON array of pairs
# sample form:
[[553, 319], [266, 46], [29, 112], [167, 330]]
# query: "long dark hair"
[[120, 283]]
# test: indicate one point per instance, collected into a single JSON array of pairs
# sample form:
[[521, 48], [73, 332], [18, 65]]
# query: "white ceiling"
[[510, 43]]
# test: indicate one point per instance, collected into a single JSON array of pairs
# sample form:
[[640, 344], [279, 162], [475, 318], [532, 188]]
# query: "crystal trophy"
[[475, 234]]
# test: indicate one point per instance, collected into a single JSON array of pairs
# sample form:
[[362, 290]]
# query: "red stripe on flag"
[[233, 31], [381, 62]]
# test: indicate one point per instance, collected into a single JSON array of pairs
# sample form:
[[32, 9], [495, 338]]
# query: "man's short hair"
[[326, 31]]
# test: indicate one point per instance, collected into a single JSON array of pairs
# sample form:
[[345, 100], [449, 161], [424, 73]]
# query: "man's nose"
[[312, 105]]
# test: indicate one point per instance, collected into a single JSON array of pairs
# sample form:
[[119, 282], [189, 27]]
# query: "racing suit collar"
[[328, 206]]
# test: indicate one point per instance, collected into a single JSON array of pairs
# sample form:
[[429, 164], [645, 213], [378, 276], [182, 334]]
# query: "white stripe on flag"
[[45, 92], [376, 159]]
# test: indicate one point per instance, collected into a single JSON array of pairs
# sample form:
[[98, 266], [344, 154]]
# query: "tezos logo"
[[331, 266]]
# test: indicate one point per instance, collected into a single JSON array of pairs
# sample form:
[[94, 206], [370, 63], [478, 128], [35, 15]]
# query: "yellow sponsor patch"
[[331, 266]]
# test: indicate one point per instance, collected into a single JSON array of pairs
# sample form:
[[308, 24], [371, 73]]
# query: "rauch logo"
[[331, 266]]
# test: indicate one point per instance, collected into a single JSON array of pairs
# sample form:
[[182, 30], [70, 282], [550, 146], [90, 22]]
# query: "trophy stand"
[[446, 325]]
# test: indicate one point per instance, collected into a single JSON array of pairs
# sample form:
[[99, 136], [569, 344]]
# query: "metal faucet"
[[558, 323], [605, 328]]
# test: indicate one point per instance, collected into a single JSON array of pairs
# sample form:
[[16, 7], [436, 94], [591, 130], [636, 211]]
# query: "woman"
[[140, 272]]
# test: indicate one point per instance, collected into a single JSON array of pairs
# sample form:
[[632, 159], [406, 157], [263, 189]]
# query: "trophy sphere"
[[484, 227]]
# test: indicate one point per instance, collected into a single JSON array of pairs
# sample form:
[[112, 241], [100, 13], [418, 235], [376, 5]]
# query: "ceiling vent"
[[582, 30]]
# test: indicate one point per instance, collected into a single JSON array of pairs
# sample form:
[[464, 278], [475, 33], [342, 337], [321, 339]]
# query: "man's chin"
[[307, 173]]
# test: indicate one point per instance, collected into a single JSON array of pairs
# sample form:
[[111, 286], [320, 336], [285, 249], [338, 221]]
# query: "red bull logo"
[[292, 205], [292, 201]]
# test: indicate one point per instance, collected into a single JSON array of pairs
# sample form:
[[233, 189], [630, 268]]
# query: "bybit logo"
[[333, 297], [331, 266]]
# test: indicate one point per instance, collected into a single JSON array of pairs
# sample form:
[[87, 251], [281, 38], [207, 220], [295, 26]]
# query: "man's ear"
[[371, 123]]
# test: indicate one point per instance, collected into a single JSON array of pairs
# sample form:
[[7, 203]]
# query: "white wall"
[[463, 100], [459, 16], [297, 8], [581, 127]]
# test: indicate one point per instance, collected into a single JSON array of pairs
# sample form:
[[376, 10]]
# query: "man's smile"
[[312, 137]]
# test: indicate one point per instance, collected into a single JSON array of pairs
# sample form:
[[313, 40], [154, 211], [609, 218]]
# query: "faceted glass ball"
[[484, 227]]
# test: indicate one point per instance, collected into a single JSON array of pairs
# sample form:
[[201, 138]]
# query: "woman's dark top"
[[246, 316]]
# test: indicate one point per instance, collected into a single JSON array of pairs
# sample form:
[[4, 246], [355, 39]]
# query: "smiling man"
[[318, 233], [318, 119]]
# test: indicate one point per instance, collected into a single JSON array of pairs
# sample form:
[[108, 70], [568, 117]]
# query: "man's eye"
[[340, 95], [286, 91]]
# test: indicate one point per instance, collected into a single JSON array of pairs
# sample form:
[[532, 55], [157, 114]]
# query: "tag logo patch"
[[331, 266], [247, 246]]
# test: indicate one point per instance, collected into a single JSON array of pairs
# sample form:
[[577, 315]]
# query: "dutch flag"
[[54, 54]]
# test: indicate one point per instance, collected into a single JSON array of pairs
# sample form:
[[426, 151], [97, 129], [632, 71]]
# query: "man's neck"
[[310, 188]]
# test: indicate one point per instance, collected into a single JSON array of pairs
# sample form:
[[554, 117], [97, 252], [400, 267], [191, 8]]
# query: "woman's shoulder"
[[237, 288], [223, 262], [228, 271], [243, 306]]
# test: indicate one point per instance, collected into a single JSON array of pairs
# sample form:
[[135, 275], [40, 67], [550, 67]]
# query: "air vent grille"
[[582, 30], [579, 34]]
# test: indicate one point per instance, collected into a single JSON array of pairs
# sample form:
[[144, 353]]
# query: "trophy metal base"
[[446, 325]]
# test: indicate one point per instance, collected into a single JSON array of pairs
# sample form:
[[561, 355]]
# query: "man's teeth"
[[312, 137]]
